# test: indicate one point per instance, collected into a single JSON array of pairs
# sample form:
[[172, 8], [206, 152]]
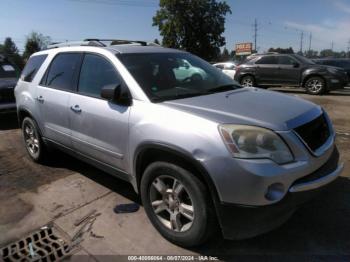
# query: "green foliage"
[[282, 50], [156, 41], [35, 42], [193, 25], [10, 50], [331, 53]]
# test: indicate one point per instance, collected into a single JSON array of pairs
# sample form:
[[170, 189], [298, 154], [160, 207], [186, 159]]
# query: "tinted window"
[[267, 60], [32, 67], [62, 70], [96, 72], [7, 70], [286, 60]]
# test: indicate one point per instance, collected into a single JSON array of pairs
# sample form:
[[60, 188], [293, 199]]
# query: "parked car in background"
[[337, 62], [184, 71], [8, 79], [228, 68], [267, 70], [204, 154]]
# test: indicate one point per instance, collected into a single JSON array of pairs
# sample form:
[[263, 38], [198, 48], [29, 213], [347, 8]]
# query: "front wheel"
[[177, 204], [315, 85]]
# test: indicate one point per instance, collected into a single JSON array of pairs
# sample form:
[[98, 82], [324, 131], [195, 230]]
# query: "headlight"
[[255, 142]]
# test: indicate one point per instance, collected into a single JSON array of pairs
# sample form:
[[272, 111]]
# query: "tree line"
[[34, 43]]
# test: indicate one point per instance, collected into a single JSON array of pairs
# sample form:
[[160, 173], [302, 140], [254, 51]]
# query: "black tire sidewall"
[[39, 156], [323, 89], [198, 232]]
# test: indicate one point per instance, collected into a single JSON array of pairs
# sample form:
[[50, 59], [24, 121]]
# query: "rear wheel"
[[177, 204], [247, 81], [32, 139], [315, 85]]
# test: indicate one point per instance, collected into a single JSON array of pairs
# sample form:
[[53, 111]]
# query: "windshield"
[[305, 60], [168, 76]]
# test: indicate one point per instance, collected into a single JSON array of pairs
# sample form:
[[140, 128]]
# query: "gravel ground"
[[33, 195]]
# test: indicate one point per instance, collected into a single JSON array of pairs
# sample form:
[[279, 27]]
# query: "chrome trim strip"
[[318, 182]]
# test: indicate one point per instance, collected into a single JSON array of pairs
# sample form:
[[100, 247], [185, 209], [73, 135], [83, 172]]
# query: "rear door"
[[99, 127], [288, 71], [266, 68], [53, 95]]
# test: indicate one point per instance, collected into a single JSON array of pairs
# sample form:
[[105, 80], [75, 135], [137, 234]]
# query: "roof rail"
[[101, 43], [74, 43]]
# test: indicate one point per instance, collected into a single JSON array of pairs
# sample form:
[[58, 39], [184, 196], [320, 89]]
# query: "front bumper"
[[337, 82], [241, 221]]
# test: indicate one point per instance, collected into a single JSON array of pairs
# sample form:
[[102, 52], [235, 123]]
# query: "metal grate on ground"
[[47, 244]]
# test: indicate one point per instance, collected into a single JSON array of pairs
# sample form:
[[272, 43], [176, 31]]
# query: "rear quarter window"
[[32, 67]]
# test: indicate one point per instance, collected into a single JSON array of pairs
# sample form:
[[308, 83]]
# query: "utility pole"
[[255, 25], [301, 41], [310, 39]]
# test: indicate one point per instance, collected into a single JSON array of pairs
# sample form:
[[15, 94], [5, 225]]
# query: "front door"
[[266, 70], [99, 127], [288, 70]]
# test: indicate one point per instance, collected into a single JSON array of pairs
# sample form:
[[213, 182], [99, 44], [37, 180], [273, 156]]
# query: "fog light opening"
[[275, 192]]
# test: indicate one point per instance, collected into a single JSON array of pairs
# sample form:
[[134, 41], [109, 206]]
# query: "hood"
[[8, 82], [250, 106]]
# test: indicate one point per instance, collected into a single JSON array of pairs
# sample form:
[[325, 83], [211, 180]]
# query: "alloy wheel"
[[31, 139], [247, 81], [172, 203], [315, 85]]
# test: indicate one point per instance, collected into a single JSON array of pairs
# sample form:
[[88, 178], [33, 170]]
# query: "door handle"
[[76, 109], [40, 99]]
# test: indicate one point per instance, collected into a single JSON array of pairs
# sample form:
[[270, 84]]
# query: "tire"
[[315, 85], [247, 81], [185, 232], [33, 142]]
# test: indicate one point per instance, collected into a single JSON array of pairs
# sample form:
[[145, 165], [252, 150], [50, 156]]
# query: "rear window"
[[7, 70], [32, 67], [267, 60], [61, 71]]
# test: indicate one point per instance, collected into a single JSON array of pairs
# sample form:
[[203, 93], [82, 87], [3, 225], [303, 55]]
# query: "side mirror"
[[114, 93], [295, 65]]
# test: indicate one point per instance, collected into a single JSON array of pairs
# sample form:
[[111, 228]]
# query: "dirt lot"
[[33, 195]]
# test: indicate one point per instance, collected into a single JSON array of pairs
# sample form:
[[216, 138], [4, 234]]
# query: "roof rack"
[[101, 43]]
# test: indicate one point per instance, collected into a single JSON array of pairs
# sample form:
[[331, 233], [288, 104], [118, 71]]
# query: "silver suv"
[[204, 153]]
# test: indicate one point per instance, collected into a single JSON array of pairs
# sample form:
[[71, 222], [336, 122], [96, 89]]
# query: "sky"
[[280, 22]]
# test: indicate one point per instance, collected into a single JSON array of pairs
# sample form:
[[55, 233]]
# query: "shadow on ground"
[[8, 121]]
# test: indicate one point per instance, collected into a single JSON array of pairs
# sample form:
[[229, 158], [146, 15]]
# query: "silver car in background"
[[203, 152]]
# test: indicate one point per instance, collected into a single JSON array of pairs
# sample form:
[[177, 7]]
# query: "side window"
[[62, 70], [96, 72], [267, 60], [32, 67], [286, 60]]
